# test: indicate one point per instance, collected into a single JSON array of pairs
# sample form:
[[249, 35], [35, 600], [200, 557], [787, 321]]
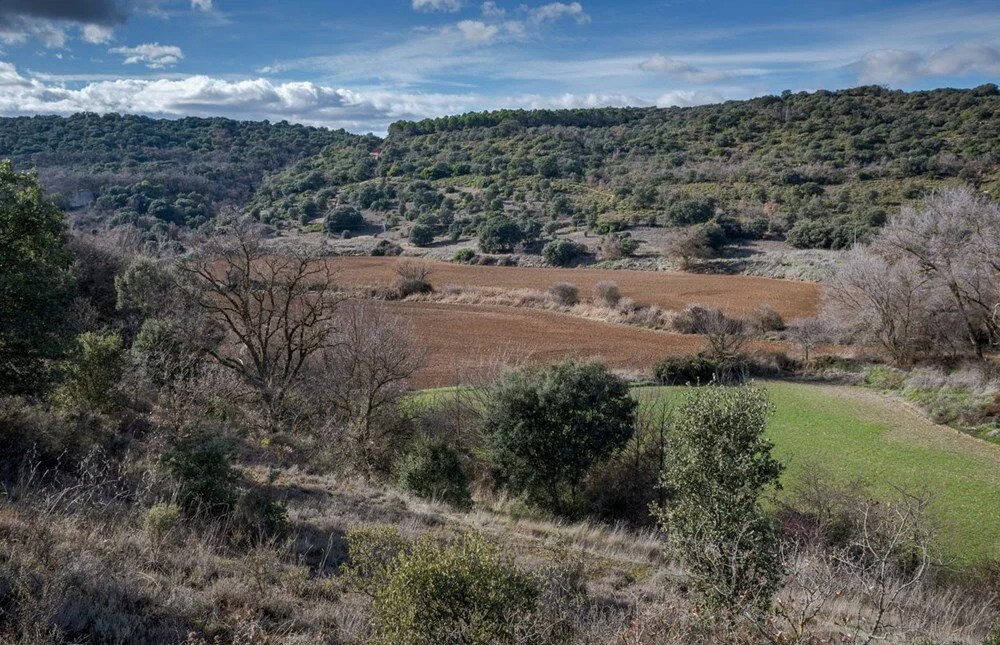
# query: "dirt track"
[[733, 293], [462, 339]]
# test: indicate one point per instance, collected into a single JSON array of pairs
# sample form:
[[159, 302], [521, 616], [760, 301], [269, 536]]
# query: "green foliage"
[[434, 471], [95, 372], [465, 593], [547, 426], [884, 377], [693, 369], [343, 218], [714, 482], [372, 552], [161, 519], [421, 234], [35, 284], [690, 211], [206, 483], [499, 235], [465, 256], [563, 252]]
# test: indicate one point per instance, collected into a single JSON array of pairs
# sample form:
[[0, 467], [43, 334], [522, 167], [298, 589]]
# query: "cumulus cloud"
[[557, 10], [437, 5], [358, 110], [153, 55], [899, 66], [97, 34], [477, 31], [204, 5], [666, 65]]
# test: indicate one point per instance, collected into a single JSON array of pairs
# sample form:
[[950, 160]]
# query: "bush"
[[465, 256], [694, 319], [713, 487], [93, 377], [765, 319], [161, 519], [685, 370], [499, 235], [606, 294], [206, 483], [563, 252], [691, 211], [343, 218], [435, 472], [547, 426], [564, 293], [386, 248], [412, 278], [372, 550], [421, 234], [618, 246], [884, 377], [465, 592]]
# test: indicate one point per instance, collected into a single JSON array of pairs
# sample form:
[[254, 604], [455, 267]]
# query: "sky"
[[361, 65]]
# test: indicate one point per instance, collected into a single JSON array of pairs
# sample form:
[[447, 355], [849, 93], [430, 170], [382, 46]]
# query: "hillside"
[[823, 168]]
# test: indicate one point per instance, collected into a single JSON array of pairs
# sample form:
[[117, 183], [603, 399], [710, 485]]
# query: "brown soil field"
[[735, 294], [465, 339]]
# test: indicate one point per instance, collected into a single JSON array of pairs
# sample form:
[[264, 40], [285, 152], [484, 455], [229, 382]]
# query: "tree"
[[268, 312], [547, 426], [343, 218], [714, 481], [499, 234], [421, 234], [35, 283], [807, 333], [689, 244], [563, 252]]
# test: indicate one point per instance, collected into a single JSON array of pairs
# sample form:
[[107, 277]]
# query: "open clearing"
[[734, 294], [853, 433]]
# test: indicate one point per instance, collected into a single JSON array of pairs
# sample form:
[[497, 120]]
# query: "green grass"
[[855, 434]]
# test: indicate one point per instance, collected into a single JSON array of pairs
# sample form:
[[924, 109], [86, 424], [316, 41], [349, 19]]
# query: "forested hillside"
[[819, 169], [153, 172], [823, 168]]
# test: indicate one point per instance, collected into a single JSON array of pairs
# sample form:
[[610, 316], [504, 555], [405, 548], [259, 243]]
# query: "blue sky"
[[361, 65]]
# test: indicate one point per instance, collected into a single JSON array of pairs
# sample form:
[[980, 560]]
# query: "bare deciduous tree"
[[808, 333], [268, 312], [688, 245]]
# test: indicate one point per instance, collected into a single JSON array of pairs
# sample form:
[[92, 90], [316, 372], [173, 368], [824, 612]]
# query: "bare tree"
[[808, 333], [267, 312], [954, 238], [365, 372], [688, 245]]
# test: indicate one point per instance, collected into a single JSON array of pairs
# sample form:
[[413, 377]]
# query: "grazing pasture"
[[851, 432]]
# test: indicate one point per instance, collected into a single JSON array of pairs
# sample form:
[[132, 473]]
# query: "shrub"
[[693, 319], [564, 293], [547, 426], [93, 377], [343, 218], [684, 370], [713, 487], [764, 319], [421, 234], [465, 256], [372, 551], [435, 472], [465, 592], [618, 246], [606, 294], [386, 248], [691, 211], [499, 234], [161, 519], [412, 278], [884, 377], [206, 483], [563, 252]]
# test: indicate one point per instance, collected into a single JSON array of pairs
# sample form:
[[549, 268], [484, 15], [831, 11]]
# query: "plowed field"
[[735, 294]]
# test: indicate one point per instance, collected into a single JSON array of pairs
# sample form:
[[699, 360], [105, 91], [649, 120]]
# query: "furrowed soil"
[[464, 342], [734, 294]]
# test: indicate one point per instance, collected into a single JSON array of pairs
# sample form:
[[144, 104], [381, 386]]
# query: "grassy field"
[[853, 433]]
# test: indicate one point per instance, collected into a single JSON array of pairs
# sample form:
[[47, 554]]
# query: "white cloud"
[[557, 10], [437, 5], [97, 34], [687, 98], [491, 10], [477, 31], [900, 66], [672, 66], [49, 32], [153, 55], [358, 110], [204, 5]]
